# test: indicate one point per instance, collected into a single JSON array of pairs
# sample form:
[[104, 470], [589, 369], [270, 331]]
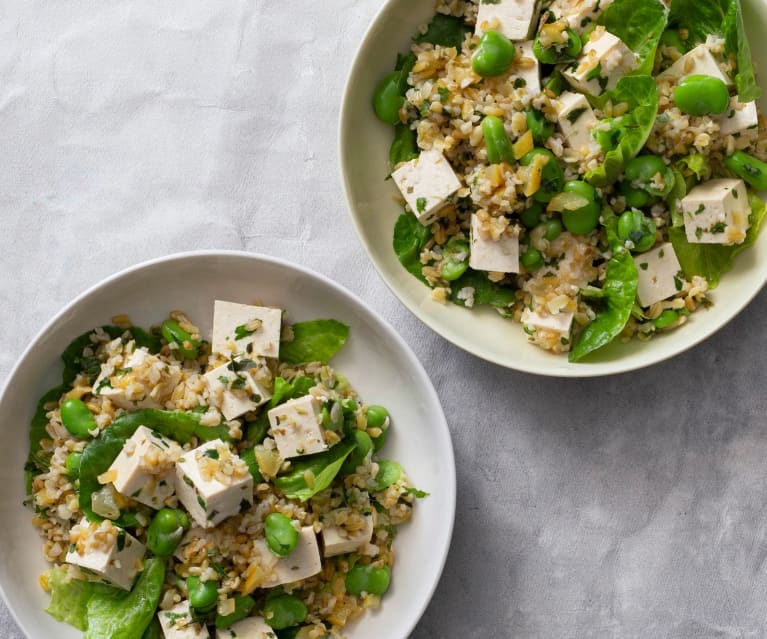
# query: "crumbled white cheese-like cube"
[[660, 275], [213, 483], [235, 390], [140, 380], [697, 61], [106, 552], [516, 19], [739, 117], [337, 540], [302, 563], [295, 427], [576, 121], [144, 468], [605, 59], [526, 71], [249, 628], [717, 212], [558, 323], [580, 14], [177, 623], [241, 328], [426, 183], [487, 254]]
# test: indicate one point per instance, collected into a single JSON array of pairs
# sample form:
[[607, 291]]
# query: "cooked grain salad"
[[229, 487], [586, 167]]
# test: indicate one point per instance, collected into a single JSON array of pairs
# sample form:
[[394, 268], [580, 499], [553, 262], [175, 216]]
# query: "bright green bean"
[[72, 465], [203, 595], [553, 229], [541, 128], [666, 319], [558, 53], [635, 197], [77, 418], [284, 611], [494, 55], [455, 261], [635, 227], [585, 219], [364, 444], [531, 259], [242, 608], [531, 216], [497, 142], [166, 530], [281, 535], [748, 168], [701, 95], [642, 172], [173, 333], [367, 578]]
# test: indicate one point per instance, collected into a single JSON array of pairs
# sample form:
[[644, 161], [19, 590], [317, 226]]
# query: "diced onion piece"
[[104, 503], [567, 202]]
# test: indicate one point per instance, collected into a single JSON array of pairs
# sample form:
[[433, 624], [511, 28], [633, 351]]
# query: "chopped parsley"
[[573, 116], [699, 232], [444, 94], [520, 83], [420, 204], [595, 72], [212, 453], [241, 332], [719, 227]]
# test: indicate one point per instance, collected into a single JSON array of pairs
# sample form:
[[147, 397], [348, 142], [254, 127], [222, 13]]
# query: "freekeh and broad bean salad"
[[588, 168], [233, 486]]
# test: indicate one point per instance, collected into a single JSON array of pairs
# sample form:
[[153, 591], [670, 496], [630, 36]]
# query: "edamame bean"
[[173, 333], [367, 578], [748, 168], [203, 595], [281, 536], [77, 418], [541, 128], [387, 99], [242, 608], [284, 611], [531, 259], [635, 227], [585, 219], [531, 217], [635, 197], [553, 229], [364, 444], [701, 95], [72, 465], [455, 260], [377, 416], [552, 175], [494, 55], [166, 530], [665, 319], [497, 143], [643, 172], [558, 53]]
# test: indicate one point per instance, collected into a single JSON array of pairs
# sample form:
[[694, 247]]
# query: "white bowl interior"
[[364, 149], [376, 360]]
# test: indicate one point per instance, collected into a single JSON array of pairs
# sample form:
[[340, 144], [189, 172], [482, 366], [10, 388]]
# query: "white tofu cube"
[[302, 563], [605, 59], [516, 19], [177, 623], [698, 61], [241, 328], [106, 552], [295, 427], [144, 469], [576, 121], [660, 275], [526, 71], [716, 212], [580, 14], [487, 254], [236, 393], [558, 323], [426, 183], [250, 628], [213, 483], [336, 540], [738, 118]]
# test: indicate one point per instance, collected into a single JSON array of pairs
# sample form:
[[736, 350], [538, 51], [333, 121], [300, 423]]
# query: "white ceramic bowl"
[[364, 150], [377, 361]]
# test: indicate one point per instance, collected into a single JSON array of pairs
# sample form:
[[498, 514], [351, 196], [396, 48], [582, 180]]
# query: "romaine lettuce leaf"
[[314, 341], [69, 598], [640, 24]]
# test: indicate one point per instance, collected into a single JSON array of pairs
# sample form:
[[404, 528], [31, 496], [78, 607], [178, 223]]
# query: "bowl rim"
[[448, 486], [562, 368]]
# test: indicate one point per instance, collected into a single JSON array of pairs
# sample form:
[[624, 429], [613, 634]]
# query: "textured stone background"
[[629, 507]]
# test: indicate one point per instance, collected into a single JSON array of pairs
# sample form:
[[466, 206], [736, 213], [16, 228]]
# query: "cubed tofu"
[[526, 72], [213, 483], [558, 323], [576, 121], [660, 275], [295, 427], [302, 563], [605, 59], [426, 183], [487, 254], [144, 381], [698, 61], [717, 212], [106, 552], [337, 540], [738, 118], [250, 628], [144, 469], [236, 393], [177, 623], [516, 19], [241, 328], [580, 14]]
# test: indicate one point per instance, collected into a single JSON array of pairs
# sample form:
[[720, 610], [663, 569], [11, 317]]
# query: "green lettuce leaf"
[[69, 598], [446, 31], [713, 260], [640, 24], [39, 461], [324, 466], [620, 289], [629, 131], [404, 146], [485, 291], [314, 341], [410, 236], [116, 614]]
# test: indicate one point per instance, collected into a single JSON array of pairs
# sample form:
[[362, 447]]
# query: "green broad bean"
[[665, 319], [497, 142], [72, 465], [455, 259], [387, 99], [203, 595], [173, 333], [531, 216], [531, 259], [556, 84], [541, 128], [494, 55], [701, 95], [638, 198], [585, 219], [367, 578], [166, 530], [747, 167], [281, 535], [242, 608], [635, 227], [642, 171], [378, 417], [558, 53], [363, 445], [77, 418], [553, 228], [283, 611], [552, 176]]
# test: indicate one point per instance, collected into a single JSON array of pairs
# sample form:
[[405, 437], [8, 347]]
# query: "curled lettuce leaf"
[[69, 598], [640, 24]]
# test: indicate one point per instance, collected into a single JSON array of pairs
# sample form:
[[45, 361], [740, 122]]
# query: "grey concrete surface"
[[628, 507]]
